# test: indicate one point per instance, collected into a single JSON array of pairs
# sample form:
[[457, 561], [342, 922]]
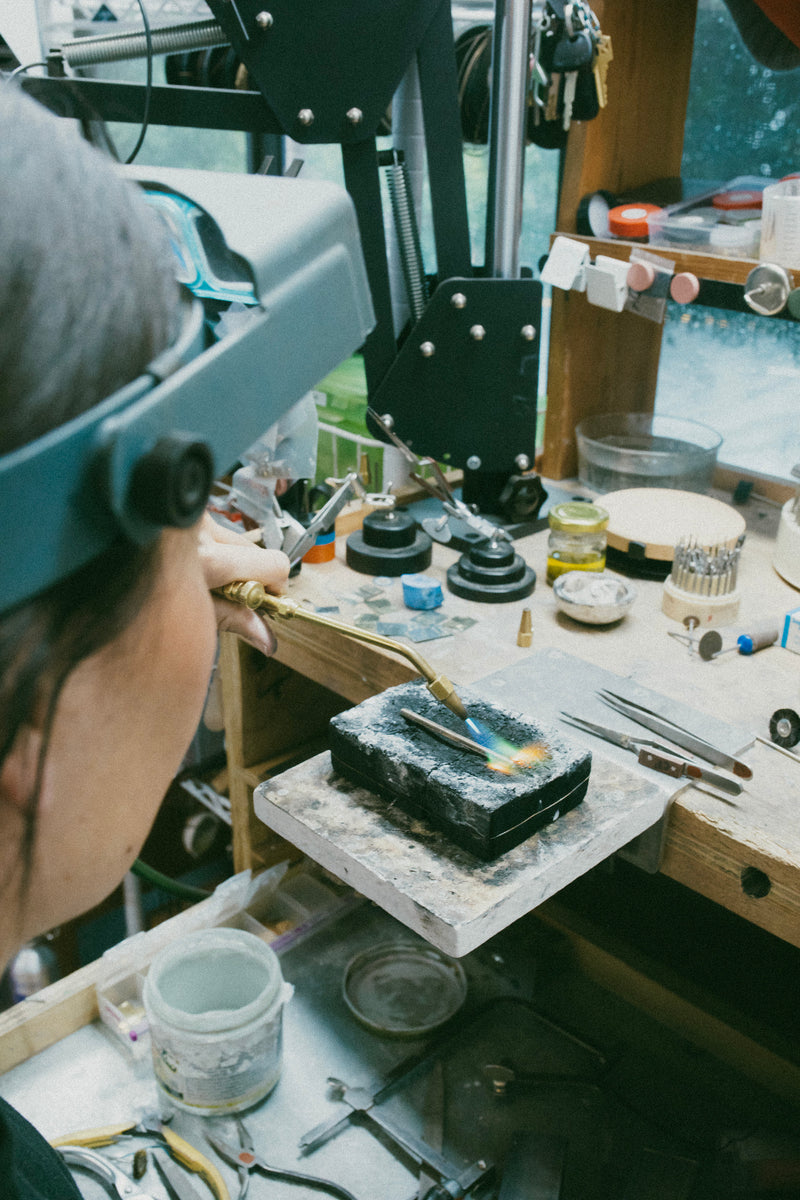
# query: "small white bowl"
[[593, 597]]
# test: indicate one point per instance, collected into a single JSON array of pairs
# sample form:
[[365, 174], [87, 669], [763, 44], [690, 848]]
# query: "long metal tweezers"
[[456, 739], [675, 733]]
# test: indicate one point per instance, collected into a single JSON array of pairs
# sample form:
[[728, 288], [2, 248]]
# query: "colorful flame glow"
[[502, 755]]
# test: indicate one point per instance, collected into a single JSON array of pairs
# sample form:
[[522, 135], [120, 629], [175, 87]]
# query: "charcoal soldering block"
[[454, 790]]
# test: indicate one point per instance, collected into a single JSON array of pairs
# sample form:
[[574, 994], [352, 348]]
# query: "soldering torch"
[[254, 595]]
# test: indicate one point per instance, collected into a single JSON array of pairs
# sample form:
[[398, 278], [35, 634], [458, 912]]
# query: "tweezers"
[[675, 733], [456, 739], [657, 757]]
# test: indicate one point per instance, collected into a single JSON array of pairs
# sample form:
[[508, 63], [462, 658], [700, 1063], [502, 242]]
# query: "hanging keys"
[[551, 107], [603, 55], [565, 38], [568, 99], [570, 55], [539, 76], [584, 103], [574, 52]]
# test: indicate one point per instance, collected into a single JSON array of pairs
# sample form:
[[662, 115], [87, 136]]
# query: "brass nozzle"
[[253, 595], [443, 690], [525, 635]]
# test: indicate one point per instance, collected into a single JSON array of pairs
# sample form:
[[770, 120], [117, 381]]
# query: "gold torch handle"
[[255, 596]]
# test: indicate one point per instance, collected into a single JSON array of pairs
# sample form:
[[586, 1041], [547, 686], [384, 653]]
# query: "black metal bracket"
[[463, 387]]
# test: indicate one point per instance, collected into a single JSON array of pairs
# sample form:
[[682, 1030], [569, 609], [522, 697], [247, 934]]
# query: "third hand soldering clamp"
[[254, 596]]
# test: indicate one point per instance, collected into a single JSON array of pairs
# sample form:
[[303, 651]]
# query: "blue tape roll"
[[421, 591]]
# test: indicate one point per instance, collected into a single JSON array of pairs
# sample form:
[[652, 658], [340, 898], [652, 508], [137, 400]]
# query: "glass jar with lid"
[[577, 540]]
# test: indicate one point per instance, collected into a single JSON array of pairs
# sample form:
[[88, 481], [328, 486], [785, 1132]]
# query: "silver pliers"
[[246, 1159]]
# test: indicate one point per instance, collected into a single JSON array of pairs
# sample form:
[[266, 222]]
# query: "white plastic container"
[[786, 557], [780, 224], [214, 1002]]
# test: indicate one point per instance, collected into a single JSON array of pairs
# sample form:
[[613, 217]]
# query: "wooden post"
[[602, 361], [274, 717]]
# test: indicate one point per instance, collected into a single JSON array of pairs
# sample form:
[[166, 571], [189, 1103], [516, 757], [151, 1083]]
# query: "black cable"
[[148, 87]]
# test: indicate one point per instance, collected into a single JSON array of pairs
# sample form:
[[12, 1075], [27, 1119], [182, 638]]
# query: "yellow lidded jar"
[[577, 540]]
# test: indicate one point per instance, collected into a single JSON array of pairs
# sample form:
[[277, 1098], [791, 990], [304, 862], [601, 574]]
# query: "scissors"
[[657, 757], [240, 1157], [124, 1187]]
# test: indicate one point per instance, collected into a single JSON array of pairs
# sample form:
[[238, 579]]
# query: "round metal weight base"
[[388, 560], [491, 574]]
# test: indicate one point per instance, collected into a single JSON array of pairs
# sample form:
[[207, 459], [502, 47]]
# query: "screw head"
[[458, 300], [528, 332], [522, 462], [388, 420], [477, 333], [427, 349], [355, 116], [265, 20], [474, 462], [305, 116]]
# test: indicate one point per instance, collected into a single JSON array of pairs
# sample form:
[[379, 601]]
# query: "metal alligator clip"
[[441, 490], [675, 733], [657, 757], [323, 518]]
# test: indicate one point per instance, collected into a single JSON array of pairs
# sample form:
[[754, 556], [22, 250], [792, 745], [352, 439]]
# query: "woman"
[[103, 677]]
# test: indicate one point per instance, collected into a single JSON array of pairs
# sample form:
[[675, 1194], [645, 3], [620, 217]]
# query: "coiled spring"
[[170, 39], [407, 235]]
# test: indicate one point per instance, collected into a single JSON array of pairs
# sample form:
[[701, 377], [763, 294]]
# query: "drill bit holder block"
[[702, 584], [480, 809]]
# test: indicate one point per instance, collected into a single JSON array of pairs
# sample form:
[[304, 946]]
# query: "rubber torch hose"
[[185, 891], [253, 595]]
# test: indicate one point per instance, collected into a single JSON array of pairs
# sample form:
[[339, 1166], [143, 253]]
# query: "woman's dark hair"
[[87, 299]]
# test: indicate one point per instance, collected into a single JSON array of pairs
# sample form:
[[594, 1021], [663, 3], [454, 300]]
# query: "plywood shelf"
[[709, 267]]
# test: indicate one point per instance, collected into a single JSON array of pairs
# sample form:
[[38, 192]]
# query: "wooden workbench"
[[744, 857], [274, 710]]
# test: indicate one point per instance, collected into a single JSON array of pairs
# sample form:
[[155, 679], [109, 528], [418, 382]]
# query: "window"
[[737, 372]]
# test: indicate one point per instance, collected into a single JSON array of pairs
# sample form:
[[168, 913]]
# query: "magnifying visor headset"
[[145, 458]]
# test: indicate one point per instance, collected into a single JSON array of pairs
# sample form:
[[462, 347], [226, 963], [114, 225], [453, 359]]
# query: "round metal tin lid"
[[404, 990], [578, 516]]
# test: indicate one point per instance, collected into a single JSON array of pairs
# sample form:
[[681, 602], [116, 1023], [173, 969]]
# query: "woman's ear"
[[18, 772]]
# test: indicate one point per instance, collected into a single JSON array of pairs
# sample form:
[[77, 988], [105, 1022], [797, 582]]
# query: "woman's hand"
[[227, 557]]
